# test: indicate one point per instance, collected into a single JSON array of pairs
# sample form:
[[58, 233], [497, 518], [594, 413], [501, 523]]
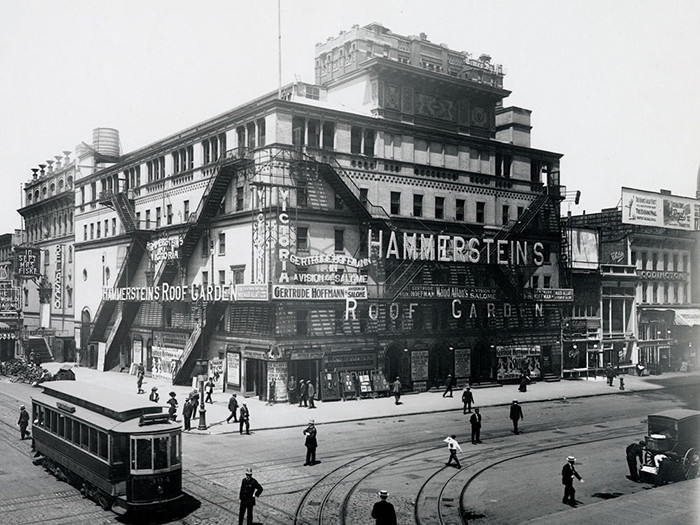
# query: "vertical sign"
[[58, 279], [259, 234]]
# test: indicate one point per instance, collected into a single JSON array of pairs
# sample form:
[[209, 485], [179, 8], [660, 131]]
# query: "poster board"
[[463, 362], [233, 369], [379, 382], [365, 384], [419, 365]]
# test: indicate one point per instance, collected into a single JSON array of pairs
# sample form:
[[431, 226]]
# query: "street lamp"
[[201, 367]]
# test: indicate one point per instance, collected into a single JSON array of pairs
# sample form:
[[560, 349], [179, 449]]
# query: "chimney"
[[423, 36]]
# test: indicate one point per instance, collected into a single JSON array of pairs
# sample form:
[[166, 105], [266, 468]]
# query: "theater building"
[[389, 219], [44, 260], [649, 280]]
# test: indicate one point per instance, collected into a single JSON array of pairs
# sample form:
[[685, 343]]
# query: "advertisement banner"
[[584, 248], [216, 373], [296, 292], [513, 360], [646, 208], [27, 262], [165, 362], [419, 365], [233, 369], [463, 362]]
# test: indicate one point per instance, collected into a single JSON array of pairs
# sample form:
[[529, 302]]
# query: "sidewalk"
[[282, 415]]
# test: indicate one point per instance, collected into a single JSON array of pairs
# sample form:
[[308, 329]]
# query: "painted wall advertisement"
[[165, 362], [419, 365], [233, 369], [646, 208], [137, 351], [584, 248], [512, 360], [216, 373]]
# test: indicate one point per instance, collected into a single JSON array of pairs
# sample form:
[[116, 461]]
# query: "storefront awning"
[[688, 317]]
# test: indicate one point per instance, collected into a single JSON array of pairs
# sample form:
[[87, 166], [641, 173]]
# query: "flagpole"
[[279, 50]]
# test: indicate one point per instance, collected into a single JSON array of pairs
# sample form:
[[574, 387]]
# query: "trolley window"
[[154, 453]]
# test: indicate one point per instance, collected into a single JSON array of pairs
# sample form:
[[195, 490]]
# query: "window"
[[459, 214], [654, 261], [206, 152], [114, 226], [675, 262], [339, 240], [328, 135], [206, 242], [222, 277], [85, 235], [521, 210], [158, 217], [665, 262], [239, 198], [205, 279], [633, 258], [99, 229], [666, 293], [535, 281], [439, 207], [186, 211], [395, 203], [237, 273], [480, 207], [644, 260], [547, 281], [645, 290], [363, 197], [655, 293], [107, 228], [302, 322], [505, 214], [92, 231], [369, 142], [298, 126], [261, 131], [302, 197], [338, 202], [313, 130], [222, 243], [355, 140], [685, 262], [675, 293], [148, 219], [418, 205], [302, 238]]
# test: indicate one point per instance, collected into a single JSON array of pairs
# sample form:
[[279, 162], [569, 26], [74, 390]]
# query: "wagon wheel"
[[691, 464], [648, 457], [103, 502]]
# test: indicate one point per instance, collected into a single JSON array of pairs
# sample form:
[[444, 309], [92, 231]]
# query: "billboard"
[[646, 208], [584, 248], [27, 261]]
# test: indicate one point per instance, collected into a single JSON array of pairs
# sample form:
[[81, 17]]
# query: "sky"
[[612, 85]]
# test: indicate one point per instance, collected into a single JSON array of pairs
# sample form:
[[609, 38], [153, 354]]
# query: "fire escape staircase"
[[121, 202], [507, 276], [213, 313]]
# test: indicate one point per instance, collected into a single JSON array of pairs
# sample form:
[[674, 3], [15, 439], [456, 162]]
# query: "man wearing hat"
[[467, 399], [23, 421], [310, 443], [516, 414], [383, 512], [244, 419], [233, 408], [250, 489], [154, 396], [396, 390], [448, 386], [633, 453], [568, 472]]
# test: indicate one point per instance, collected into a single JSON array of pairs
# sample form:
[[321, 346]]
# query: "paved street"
[[402, 453]]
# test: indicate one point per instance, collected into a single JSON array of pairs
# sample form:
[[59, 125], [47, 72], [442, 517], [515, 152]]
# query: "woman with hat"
[[173, 405], [383, 512]]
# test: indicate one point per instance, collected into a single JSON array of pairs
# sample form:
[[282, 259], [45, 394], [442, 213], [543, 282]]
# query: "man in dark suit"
[[383, 512], [467, 399], [250, 489], [568, 473], [302, 393], [310, 443], [516, 414], [475, 421]]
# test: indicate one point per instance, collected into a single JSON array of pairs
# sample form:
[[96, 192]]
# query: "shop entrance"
[[440, 365], [255, 377], [483, 363], [305, 369], [397, 364]]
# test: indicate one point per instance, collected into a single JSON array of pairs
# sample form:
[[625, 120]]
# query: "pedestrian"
[[568, 472], [475, 421], [23, 421], [194, 397], [453, 447], [250, 489], [187, 412], [634, 452], [516, 414], [311, 443], [310, 393], [140, 373], [292, 390], [383, 512], [448, 386], [467, 399], [396, 390], [209, 390], [302, 393], [233, 408], [173, 405], [523, 382], [244, 419], [154, 395], [609, 374], [271, 395]]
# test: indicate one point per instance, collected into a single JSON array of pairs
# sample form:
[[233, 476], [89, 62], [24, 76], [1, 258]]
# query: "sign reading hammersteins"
[[27, 261]]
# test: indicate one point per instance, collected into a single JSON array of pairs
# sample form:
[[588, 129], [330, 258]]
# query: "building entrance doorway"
[[440, 365], [305, 369], [483, 363], [255, 377], [397, 364]]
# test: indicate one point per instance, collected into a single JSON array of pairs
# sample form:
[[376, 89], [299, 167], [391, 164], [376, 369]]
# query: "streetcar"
[[672, 448], [123, 453]]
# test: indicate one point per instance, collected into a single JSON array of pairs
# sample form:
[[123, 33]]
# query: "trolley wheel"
[[103, 502], [691, 464]]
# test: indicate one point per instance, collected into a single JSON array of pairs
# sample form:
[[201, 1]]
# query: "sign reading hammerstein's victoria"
[[646, 208]]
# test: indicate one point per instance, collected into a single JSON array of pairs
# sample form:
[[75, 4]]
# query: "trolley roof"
[[677, 414], [109, 403]]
